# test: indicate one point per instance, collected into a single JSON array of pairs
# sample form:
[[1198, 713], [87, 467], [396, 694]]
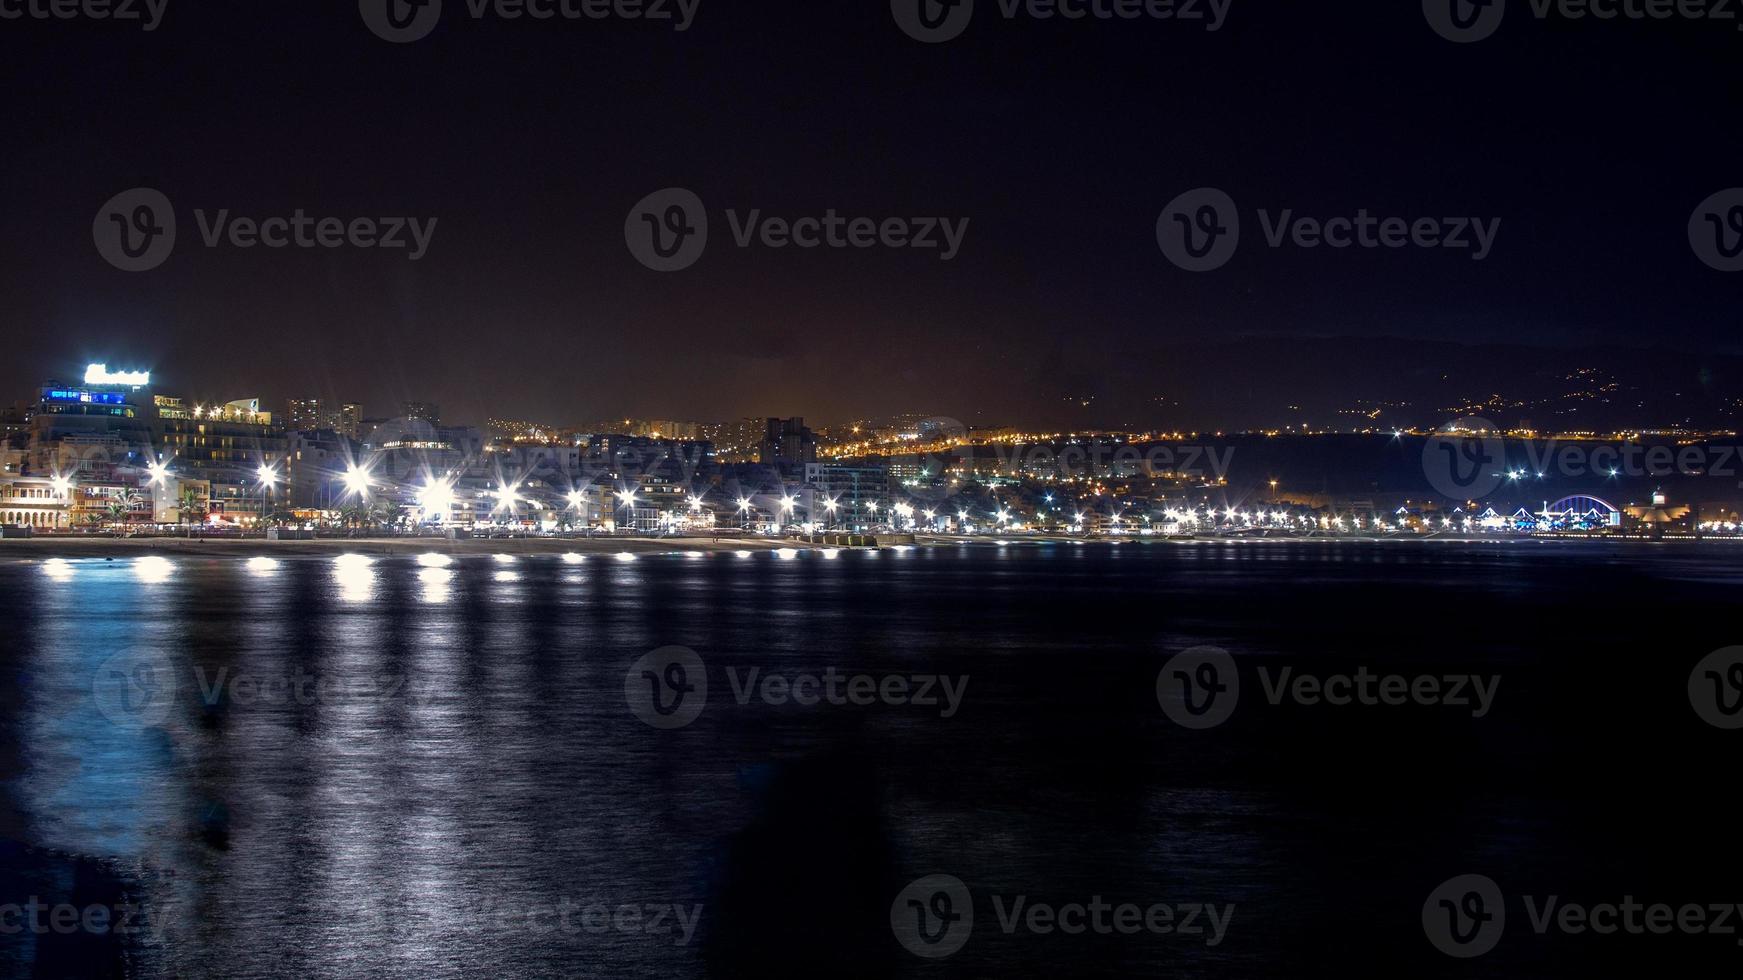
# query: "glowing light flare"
[[153, 569], [436, 498], [357, 480]]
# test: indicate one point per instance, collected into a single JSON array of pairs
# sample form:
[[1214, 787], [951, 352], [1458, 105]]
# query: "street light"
[[436, 497], [357, 481], [744, 509], [629, 502], [159, 471], [268, 480]]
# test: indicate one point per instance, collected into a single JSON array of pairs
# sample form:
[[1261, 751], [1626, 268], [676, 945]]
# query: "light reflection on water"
[[364, 760]]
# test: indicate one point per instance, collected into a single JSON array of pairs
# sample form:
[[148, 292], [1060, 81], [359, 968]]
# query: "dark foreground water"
[[338, 769]]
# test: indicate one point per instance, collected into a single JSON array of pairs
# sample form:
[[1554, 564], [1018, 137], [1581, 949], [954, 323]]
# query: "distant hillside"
[[1375, 382]]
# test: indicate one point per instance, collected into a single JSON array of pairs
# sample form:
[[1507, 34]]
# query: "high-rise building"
[[350, 420], [304, 415], [787, 444]]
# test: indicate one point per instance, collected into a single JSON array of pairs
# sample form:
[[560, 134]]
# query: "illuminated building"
[[304, 415], [787, 444], [348, 421], [108, 431], [857, 491], [33, 502]]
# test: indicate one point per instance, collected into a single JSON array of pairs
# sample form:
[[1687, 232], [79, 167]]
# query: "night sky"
[[529, 142]]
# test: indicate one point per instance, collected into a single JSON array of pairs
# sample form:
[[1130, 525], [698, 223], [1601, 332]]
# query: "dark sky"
[[1061, 141]]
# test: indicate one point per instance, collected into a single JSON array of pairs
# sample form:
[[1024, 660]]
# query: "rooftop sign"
[[99, 374]]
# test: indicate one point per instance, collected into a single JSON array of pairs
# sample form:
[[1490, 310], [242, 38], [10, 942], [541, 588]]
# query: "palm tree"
[[188, 506], [354, 515], [388, 513], [122, 505]]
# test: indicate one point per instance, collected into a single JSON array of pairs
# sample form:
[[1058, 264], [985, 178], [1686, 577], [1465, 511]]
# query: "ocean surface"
[[382, 769]]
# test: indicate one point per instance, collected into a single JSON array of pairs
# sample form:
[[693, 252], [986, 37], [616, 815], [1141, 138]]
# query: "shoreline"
[[38, 549]]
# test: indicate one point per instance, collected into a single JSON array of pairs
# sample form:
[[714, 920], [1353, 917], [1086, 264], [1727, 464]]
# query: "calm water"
[[387, 770]]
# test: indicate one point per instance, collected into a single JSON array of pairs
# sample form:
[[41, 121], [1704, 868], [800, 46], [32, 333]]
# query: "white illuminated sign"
[[99, 374]]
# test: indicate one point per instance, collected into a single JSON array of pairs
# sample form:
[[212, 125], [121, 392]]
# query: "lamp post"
[[744, 512], [157, 476], [629, 502], [268, 480], [62, 487]]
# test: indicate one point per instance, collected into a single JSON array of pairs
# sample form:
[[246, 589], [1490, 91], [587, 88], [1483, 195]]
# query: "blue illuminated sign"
[[66, 395]]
